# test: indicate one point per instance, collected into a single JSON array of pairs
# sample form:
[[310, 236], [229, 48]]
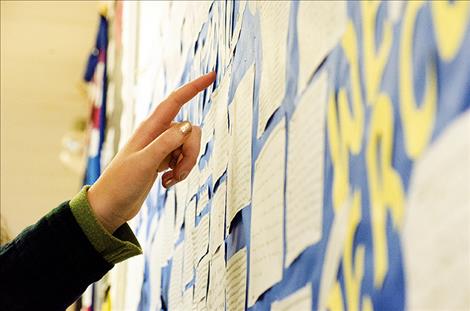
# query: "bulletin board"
[[334, 163]]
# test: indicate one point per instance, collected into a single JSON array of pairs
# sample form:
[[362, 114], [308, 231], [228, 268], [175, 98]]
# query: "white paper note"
[[238, 26], [436, 232], [216, 293], [220, 151], [175, 298], [239, 170], [320, 25], [236, 281], [217, 218], [202, 275], [274, 23], [188, 297], [188, 261], [155, 273], [267, 215], [208, 126], [203, 199], [181, 189], [193, 182], [304, 195], [201, 238], [134, 280], [299, 300], [204, 175], [168, 232]]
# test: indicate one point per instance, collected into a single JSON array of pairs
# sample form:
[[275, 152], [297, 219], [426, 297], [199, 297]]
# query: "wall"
[[44, 46], [334, 165]]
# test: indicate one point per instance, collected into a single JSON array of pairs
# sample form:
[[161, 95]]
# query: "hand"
[[158, 144]]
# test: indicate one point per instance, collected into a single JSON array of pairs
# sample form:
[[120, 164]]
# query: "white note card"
[[188, 261], [216, 293], [239, 167], [175, 298], [208, 126], [202, 275], [188, 297], [220, 151], [203, 199], [320, 25], [169, 232], [266, 234], [181, 189], [304, 195], [274, 23], [201, 238], [217, 218], [298, 301], [156, 257], [436, 231], [236, 281]]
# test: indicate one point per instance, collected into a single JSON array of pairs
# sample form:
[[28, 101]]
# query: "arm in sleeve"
[[51, 263]]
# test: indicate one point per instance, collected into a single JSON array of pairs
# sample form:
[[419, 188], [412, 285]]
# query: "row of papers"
[[203, 246], [272, 169]]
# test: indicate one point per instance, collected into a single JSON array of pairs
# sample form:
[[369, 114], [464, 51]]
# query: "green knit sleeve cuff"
[[119, 246]]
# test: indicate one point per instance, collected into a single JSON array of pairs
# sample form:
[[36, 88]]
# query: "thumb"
[[166, 143]]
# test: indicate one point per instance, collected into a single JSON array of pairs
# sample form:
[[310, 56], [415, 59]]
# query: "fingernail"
[[170, 182], [183, 175], [185, 127]]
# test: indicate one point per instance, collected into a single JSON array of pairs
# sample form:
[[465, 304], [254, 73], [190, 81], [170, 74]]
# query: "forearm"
[[50, 264]]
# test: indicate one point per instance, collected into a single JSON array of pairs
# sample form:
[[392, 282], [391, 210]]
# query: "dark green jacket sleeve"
[[50, 264]]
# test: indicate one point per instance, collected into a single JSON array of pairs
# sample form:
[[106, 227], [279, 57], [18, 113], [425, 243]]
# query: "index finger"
[[169, 108]]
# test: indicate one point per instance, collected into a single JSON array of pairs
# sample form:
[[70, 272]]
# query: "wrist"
[[102, 211]]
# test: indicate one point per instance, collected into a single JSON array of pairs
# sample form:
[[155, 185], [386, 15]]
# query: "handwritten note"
[[238, 26], [202, 276], [188, 262], [175, 298], [217, 218], [216, 293], [236, 281], [181, 189], [328, 19], [168, 232], [267, 215], [203, 199], [436, 239], [155, 273], [239, 169], [300, 300], [274, 23], [304, 195], [188, 297], [221, 136], [208, 125], [193, 182], [201, 238]]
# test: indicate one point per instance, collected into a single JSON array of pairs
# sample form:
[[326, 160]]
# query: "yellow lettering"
[[417, 121], [385, 185], [450, 24], [335, 299], [339, 156], [352, 126], [353, 277], [375, 57], [345, 128], [367, 304]]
